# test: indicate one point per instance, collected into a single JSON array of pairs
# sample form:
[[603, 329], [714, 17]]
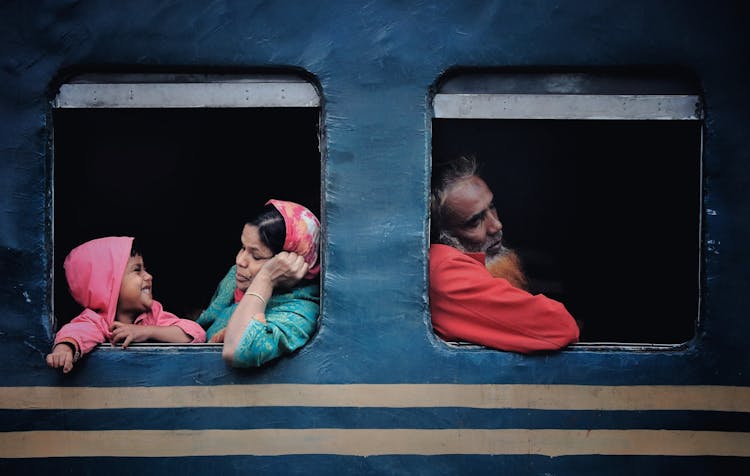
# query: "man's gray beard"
[[446, 238]]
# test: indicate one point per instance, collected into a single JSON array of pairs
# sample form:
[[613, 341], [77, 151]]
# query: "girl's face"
[[135, 290], [252, 256]]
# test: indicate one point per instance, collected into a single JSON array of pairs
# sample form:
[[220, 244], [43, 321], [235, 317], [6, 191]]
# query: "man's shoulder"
[[440, 253]]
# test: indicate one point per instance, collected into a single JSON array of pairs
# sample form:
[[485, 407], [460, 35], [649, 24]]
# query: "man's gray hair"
[[444, 176]]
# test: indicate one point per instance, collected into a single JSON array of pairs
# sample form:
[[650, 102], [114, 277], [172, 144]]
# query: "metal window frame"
[[672, 107], [571, 97], [163, 91], [175, 91], [631, 94]]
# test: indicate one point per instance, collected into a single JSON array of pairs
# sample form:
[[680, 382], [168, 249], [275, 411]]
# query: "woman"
[[268, 303]]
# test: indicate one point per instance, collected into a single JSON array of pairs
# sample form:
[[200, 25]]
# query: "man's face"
[[470, 217]]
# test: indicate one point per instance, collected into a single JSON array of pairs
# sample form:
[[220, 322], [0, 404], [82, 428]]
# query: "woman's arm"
[[291, 321], [283, 270]]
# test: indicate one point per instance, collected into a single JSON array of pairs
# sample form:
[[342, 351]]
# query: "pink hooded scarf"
[[94, 271], [302, 233]]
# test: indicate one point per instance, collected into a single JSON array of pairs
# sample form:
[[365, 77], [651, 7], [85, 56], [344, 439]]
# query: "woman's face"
[[251, 257]]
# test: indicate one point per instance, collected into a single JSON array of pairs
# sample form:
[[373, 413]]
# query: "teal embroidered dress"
[[291, 317]]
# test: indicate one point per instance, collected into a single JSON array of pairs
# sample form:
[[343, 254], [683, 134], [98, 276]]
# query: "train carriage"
[[613, 135]]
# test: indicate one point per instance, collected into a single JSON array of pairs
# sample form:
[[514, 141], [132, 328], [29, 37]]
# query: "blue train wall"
[[374, 392]]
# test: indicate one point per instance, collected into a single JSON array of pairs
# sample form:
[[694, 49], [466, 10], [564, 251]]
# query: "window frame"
[[526, 95], [164, 91]]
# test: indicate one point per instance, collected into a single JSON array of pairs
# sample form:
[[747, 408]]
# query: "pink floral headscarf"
[[302, 233]]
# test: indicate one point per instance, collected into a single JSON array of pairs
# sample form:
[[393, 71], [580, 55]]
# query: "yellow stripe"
[[161, 443], [542, 397]]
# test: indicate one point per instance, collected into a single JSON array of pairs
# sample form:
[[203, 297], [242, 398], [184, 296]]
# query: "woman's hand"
[[285, 269]]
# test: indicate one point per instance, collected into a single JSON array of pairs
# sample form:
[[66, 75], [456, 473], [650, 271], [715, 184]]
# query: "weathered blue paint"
[[375, 63], [448, 465], [363, 418]]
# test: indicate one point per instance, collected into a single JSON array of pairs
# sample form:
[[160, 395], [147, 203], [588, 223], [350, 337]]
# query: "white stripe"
[[275, 442], [541, 397]]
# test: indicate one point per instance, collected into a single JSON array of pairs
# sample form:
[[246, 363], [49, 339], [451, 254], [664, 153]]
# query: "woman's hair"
[[271, 228]]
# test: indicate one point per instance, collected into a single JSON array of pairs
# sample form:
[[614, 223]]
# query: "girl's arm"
[[129, 333], [160, 318], [62, 355], [77, 338]]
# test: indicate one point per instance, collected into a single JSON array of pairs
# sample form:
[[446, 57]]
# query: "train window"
[[179, 162], [597, 181]]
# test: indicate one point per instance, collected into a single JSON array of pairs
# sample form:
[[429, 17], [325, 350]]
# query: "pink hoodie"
[[94, 271]]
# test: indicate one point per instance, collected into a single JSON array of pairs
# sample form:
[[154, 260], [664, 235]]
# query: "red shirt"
[[469, 304]]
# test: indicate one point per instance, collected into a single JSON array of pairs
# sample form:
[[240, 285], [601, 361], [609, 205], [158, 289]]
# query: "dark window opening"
[[182, 181], [604, 213]]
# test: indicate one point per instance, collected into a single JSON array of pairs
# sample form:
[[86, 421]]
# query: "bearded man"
[[477, 286]]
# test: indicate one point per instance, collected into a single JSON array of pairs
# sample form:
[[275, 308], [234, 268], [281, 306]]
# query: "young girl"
[[108, 278]]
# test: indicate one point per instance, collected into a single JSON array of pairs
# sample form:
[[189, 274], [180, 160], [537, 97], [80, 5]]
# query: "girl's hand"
[[285, 269], [61, 356], [129, 333]]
